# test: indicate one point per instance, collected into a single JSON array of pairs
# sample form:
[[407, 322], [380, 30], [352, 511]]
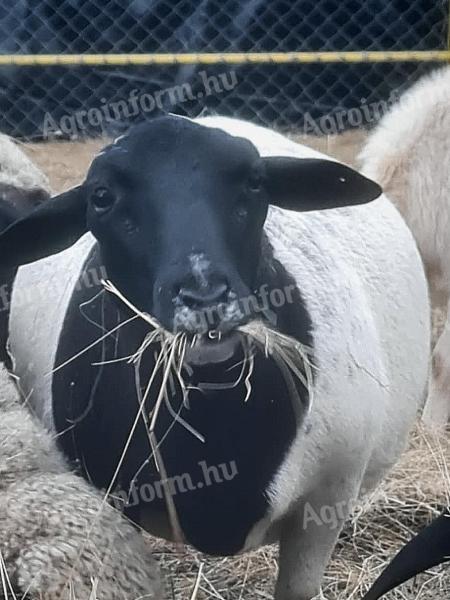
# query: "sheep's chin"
[[217, 350]]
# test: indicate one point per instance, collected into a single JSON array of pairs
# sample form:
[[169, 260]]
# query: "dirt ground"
[[66, 163]]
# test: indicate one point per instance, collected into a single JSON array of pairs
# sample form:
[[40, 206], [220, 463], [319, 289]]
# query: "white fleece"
[[409, 155], [17, 169], [58, 539], [361, 276]]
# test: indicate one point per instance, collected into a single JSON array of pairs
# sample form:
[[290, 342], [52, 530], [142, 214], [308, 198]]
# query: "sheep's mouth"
[[213, 348], [212, 324], [183, 347]]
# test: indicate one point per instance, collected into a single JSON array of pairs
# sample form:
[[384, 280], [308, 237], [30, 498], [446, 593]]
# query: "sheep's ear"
[[429, 548], [51, 227], [304, 184]]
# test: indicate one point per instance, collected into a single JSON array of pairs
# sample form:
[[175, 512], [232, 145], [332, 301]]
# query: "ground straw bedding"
[[407, 500]]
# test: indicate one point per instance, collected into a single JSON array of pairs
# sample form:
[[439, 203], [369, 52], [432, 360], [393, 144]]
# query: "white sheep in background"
[[58, 540], [409, 155], [22, 184], [17, 168], [22, 187]]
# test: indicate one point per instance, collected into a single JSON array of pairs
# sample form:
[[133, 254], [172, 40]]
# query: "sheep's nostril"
[[202, 297]]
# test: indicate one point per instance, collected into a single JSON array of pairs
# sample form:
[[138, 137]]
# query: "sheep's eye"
[[102, 199]]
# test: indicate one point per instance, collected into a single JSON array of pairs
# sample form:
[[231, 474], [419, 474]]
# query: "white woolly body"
[[56, 532], [361, 278], [17, 169], [409, 155]]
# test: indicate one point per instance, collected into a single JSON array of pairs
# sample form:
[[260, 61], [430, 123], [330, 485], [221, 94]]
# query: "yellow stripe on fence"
[[229, 58], [448, 27]]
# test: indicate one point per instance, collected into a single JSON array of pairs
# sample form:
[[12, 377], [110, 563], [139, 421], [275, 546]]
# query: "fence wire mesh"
[[74, 101]]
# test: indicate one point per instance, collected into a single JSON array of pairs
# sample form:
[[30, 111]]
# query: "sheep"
[[22, 184], [235, 339], [58, 538], [22, 187], [408, 154]]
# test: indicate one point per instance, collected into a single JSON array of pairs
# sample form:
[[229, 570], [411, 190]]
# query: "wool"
[[17, 169], [408, 154], [22, 187], [59, 540]]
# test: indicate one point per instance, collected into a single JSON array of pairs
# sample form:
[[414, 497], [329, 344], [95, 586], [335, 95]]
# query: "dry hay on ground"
[[407, 500]]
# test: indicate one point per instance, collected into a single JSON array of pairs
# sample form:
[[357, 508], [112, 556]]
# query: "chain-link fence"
[[38, 101]]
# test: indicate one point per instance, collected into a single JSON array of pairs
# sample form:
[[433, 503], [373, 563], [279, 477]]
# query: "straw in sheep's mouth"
[[174, 354], [180, 350]]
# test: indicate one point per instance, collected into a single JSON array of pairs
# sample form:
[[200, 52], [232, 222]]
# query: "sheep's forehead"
[[178, 142]]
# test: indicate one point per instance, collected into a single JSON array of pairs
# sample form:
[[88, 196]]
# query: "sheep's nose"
[[202, 296]]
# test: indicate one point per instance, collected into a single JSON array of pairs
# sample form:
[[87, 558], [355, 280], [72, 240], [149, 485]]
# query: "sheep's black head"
[[178, 210]]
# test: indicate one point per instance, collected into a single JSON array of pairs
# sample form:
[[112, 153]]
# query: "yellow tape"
[[229, 58], [448, 27]]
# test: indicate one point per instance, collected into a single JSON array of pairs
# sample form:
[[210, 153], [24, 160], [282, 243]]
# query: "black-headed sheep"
[[255, 356]]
